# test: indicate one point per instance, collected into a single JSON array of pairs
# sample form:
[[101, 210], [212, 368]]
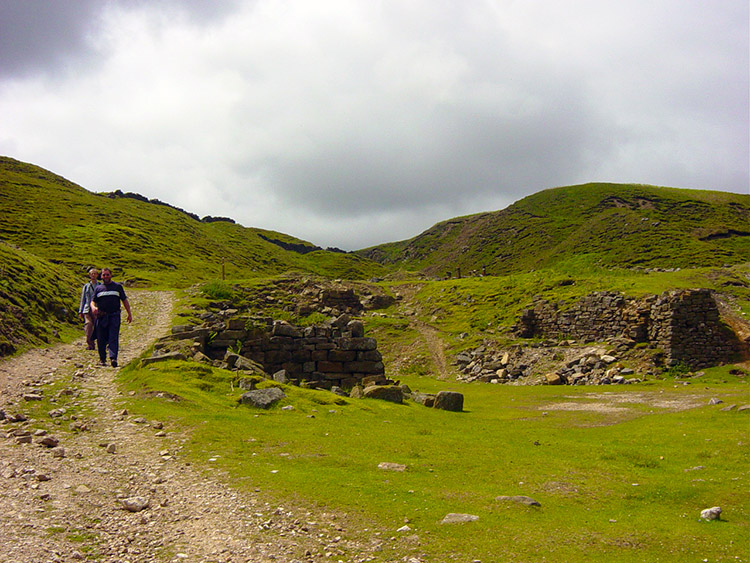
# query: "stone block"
[[358, 344], [331, 367], [342, 355], [364, 367], [449, 401]]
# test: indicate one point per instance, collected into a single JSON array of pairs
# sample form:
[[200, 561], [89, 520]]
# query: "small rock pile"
[[548, 363]]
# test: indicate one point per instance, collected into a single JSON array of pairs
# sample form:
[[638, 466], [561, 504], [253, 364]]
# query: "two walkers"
[[100, 305]]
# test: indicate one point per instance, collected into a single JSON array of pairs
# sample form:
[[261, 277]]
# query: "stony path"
[[430, 335], [66, 501]]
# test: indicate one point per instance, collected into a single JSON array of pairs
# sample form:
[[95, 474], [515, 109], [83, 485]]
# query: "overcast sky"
[[353, 123]]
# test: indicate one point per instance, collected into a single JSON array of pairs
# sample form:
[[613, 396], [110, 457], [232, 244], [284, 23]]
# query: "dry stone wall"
[[324, 356], [685, 324]]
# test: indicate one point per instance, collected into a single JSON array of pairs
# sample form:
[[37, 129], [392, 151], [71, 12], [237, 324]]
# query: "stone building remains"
[[685, 324]]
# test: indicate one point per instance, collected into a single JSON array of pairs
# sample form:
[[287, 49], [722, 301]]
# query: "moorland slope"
[[147, 242], [604, 225]]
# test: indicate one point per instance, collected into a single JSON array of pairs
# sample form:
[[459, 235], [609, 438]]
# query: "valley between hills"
[[620, 436]]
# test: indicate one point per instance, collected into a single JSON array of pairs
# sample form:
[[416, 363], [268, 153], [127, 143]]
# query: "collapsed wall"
[[336, 354], [685, 324]]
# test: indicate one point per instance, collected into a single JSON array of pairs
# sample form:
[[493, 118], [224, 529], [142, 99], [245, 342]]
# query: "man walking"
[[105, 305], [84, 309]]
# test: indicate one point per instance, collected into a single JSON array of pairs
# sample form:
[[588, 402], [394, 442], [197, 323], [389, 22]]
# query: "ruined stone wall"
[[337, 354], [685, 324]]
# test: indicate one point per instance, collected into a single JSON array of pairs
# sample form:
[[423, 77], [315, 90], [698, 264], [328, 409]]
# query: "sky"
[[351, 123]]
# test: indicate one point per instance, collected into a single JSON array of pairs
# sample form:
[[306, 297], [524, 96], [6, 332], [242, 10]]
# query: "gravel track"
[[67, 503]]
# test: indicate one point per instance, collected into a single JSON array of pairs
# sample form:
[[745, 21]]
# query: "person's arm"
[[82, 305], [126, 304]]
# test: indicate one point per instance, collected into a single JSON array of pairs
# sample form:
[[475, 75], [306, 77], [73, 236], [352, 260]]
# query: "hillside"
[[599, 224], [37, 299], [147, 243]]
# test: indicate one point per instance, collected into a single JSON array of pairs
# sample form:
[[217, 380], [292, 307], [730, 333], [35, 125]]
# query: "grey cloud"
[[41, 34], [47, 35]]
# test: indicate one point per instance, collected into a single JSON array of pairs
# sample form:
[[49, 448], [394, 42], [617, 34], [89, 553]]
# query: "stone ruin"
[[684, 324], [323, 356], [606, 338]]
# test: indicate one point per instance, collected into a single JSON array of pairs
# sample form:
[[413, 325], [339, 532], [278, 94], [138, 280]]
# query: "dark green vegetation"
[[605, 225], [621, 473], [145, 243]]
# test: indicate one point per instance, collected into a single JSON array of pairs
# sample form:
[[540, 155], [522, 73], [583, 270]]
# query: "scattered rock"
[[135, 504], [520, 499], [388, 466], [426, 399], [714, 401], [713, 513], [281, 376], [553, 379], [391, 393], [262, 398], [49, 441], [457, 518]]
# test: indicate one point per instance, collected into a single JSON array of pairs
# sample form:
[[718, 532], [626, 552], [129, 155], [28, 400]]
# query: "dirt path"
[[67, 503], [430, 335]]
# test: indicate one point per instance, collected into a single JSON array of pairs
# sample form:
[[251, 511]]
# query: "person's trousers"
[[89, 323], [108, 336]]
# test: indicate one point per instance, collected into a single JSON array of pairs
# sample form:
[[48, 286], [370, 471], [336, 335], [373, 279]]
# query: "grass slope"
[[608, 224], [37, 300], [146, 243]]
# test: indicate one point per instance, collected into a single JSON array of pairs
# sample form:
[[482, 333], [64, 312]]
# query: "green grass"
[[469, 310], [146, 244], [608, 225], [615, 486], [38, 300]]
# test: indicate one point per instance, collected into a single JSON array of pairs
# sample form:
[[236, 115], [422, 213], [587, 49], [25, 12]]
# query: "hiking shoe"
[[102, 363], [114, 363]]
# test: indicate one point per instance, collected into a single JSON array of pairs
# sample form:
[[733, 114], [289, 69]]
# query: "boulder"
[[262, 398], [449, 401], [713, 513], [426, 399], [281, 376], [553, 379], [390, 393]]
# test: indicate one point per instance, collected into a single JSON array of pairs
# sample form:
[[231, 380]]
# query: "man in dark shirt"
[[105, 305]]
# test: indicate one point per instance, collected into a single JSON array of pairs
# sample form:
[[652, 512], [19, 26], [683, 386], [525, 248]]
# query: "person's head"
[[93, 274], [106, 275]]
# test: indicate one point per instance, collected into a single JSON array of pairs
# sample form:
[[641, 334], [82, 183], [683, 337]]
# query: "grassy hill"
[[37, 299], [606, 225], [147, 243]]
